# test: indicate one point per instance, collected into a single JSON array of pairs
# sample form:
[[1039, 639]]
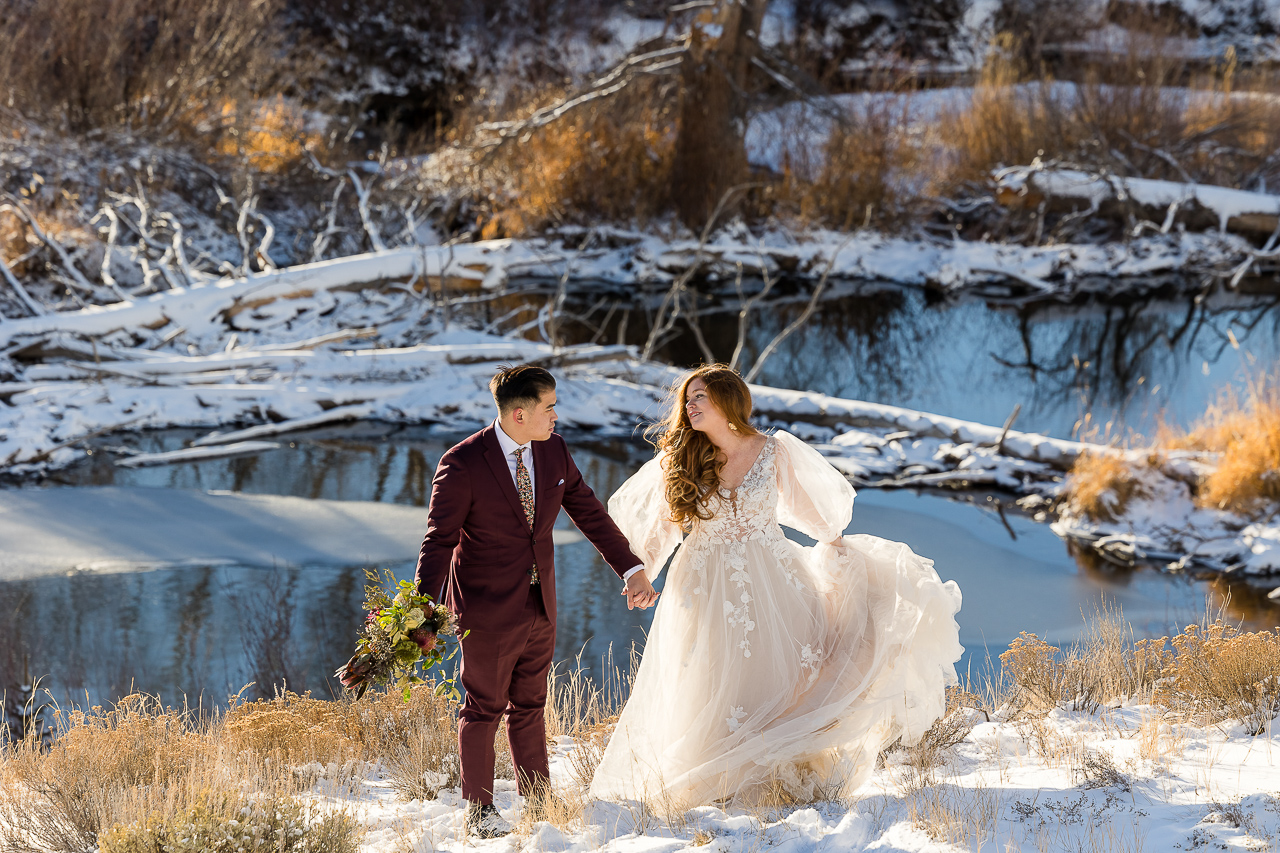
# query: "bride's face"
[[702, 413]]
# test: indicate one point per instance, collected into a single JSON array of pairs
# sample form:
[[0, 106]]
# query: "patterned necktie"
[[525, 487]]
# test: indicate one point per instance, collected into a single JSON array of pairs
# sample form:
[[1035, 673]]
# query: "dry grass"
[[139, 764], [1218, 673], [873, 171], [965, 817], [611, 161], [1107, 665], [142, 64], [1209, 673], [1244, 430], [271, 135], [1138, 112], [1101, 485]]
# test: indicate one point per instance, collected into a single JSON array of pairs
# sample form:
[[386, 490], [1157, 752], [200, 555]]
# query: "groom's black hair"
[[519, 386]]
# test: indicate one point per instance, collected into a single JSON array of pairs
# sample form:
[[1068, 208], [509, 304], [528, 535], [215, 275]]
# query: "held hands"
[[639, 592]]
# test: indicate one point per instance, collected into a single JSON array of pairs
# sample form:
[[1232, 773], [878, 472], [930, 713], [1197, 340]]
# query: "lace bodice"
[[747, 512], [790, 484]]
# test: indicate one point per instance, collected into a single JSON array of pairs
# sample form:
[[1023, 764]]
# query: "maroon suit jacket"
[[479, 547]]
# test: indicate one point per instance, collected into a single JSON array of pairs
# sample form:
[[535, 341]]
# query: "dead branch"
[[662, 61], [804, 315], [34, 307], [663, 323], [746, 305], [362, 196], [321, 241], [15, 205]]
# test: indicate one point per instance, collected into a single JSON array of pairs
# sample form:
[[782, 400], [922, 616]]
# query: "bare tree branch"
[[664, 322], [34, 307], [15, 205], [362, 195], [804, 315]]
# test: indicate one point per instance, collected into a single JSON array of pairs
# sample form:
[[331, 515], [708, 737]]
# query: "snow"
[[1126, 778], [1226, 203]]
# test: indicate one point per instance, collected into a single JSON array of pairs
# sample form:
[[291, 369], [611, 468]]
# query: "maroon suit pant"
[[505, 672]]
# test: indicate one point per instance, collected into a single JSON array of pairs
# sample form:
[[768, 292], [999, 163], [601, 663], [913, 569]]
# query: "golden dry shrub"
[[873, 170], [611, 161], [295, 728], [272, 135], [1100, 485], [1218, 673], [1104, 665], [1138, 111], [230, 824], [1033, 666], [63, 796], [141, 64], [1244, 430]]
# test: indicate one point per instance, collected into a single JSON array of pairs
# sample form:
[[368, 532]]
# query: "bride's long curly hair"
[[691, 469]]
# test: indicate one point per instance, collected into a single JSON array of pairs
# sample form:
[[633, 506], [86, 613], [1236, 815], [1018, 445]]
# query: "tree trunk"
[[709, 153]]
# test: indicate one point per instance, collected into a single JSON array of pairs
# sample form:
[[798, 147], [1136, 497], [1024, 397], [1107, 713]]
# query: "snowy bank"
[[1123, 779]]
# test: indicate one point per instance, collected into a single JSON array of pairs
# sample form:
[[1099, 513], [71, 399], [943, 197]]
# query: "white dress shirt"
[[509, 446]]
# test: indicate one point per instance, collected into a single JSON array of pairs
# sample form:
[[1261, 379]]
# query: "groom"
[[494, 500]]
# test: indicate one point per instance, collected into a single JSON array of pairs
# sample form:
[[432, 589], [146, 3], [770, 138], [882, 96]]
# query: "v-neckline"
[[733, 493]]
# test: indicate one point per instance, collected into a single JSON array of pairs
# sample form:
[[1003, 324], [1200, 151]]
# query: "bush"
[[610, 161], [1101, 485], [1245, 433], [1106, 665], [223, 825], [141, 64], [1218, 673], [1132, 114]]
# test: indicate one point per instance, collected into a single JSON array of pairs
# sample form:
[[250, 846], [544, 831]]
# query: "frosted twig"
[[615, 81], [321, 241], [269, 234], [179, 251], [804, 315], [15, 205], [362, 196], [34, 307], [113, 233]]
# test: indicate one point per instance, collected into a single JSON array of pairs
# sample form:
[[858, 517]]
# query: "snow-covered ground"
[[1121, 779]]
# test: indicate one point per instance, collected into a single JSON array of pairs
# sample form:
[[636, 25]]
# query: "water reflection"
[[207, 631], [1122, 362], [204, 632]]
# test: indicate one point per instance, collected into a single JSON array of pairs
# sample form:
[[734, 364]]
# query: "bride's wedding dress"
[[770, 663]]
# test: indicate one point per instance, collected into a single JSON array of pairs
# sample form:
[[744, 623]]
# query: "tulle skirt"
[[771, 665]]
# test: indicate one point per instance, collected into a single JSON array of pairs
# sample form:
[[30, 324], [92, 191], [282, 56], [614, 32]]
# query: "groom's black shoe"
[[485, 822]]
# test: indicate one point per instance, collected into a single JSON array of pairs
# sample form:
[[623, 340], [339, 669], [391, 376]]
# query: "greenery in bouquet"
[[401, 638]]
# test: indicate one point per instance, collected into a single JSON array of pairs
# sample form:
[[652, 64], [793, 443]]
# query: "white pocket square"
[[561, 483]]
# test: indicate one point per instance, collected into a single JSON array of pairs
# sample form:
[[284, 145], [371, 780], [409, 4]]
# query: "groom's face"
[[537, 422]]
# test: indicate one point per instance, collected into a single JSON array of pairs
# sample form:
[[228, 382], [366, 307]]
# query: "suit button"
[[535, 542]]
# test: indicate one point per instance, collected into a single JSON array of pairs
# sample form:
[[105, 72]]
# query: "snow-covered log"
[[1199, 206]]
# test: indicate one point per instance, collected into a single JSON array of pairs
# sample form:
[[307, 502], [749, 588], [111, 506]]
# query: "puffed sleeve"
[[813, 497], [640, 510]]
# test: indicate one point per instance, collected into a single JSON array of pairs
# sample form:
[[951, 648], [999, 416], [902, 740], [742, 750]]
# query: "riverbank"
[[1128, 752]]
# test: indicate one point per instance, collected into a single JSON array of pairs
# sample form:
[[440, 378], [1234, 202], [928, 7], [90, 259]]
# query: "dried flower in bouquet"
[[402, 637]]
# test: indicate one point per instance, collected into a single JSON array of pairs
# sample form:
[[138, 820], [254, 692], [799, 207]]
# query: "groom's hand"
[[639, 592]]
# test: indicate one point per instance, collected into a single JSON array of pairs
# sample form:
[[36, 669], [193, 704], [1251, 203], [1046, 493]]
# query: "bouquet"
[[392, 646]]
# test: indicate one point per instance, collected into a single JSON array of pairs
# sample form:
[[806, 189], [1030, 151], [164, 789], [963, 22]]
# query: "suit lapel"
[[498, 464], [546, 478]]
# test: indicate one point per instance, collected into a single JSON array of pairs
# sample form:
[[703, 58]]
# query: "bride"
[[769, 664]]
